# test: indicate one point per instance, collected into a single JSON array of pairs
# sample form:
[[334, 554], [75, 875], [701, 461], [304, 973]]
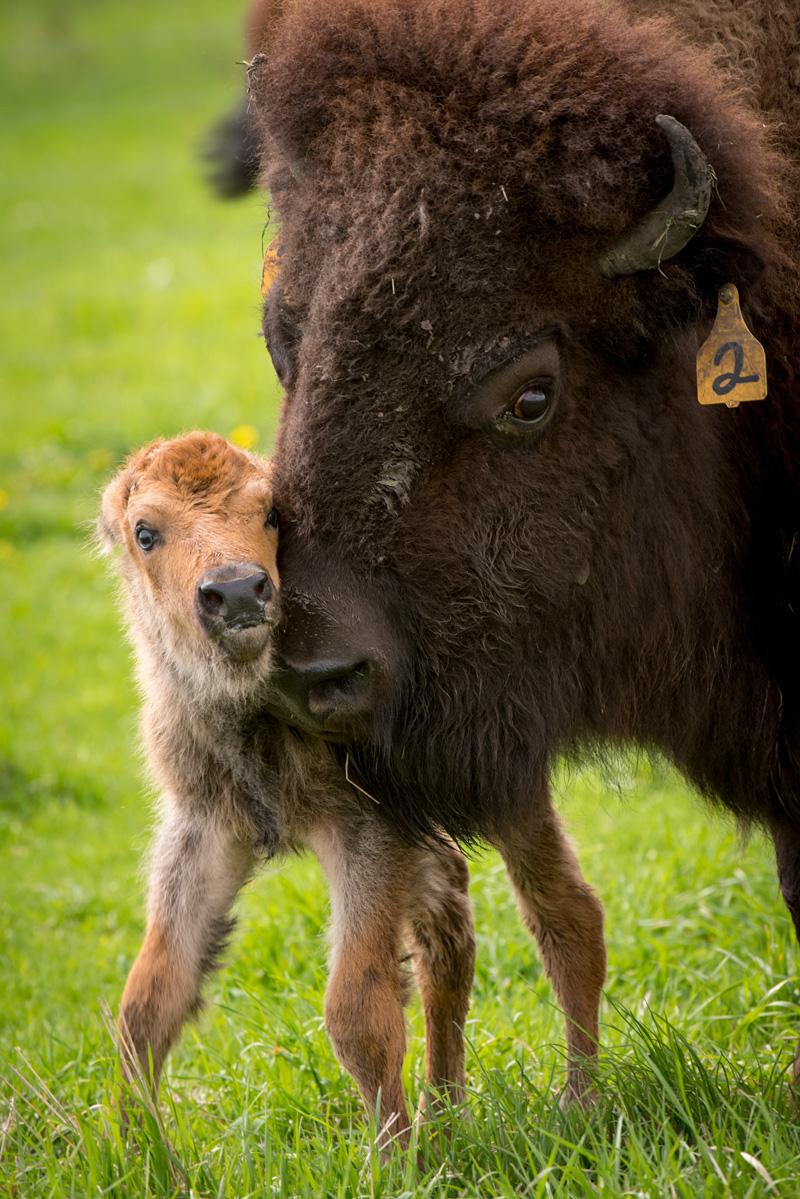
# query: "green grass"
[[129, 310]]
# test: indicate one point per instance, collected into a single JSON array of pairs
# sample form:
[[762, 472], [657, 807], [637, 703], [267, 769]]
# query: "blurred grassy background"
[[130, 310]]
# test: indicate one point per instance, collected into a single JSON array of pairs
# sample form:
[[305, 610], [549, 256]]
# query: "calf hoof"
[[579, 1093]]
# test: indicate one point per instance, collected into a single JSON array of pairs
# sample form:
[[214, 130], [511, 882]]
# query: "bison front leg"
[[440, 935], [786, 838], [198, 867], [368, 876], [566, 918]]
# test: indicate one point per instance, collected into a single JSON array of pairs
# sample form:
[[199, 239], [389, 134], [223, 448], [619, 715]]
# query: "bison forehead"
[[434, 148], [365, 422], [560, 99]]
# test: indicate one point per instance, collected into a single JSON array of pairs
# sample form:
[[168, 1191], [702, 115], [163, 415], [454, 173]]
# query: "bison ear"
[[721, 260], [712, 262], [112, 512]]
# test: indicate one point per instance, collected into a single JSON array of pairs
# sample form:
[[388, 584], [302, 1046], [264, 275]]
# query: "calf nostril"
[[212, 600], [263, 589]]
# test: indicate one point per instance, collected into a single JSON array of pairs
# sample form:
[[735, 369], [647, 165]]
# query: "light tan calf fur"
[[194, 520]]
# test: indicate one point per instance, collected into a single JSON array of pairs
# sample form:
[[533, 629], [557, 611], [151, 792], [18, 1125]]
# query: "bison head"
[[508, 528]]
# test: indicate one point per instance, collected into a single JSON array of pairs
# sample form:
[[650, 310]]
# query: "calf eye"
[[145, 537], [272, 518], [529, 405]]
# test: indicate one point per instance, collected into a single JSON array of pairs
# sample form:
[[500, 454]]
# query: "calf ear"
[[117, 494], [112, 511]]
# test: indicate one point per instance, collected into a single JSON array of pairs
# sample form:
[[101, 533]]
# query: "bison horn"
[[668, 227]]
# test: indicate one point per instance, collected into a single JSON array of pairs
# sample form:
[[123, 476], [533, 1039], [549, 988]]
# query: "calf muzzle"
[[236, 597]]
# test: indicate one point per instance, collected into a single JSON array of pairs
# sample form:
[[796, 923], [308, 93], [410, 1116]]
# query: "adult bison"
[[509, 530]]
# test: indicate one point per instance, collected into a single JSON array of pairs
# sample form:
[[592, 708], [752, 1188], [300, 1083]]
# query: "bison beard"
[[474, 739]]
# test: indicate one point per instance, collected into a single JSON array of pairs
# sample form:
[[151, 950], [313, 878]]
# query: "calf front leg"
[[440, 935], [198, 867], [565, 916]]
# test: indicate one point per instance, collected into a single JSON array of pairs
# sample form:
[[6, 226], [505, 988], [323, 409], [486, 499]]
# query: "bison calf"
[[198, 533]]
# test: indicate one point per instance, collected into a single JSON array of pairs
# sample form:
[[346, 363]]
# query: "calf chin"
[[247, 645]]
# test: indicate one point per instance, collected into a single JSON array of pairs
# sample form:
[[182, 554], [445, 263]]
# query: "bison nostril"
[[340, 690]]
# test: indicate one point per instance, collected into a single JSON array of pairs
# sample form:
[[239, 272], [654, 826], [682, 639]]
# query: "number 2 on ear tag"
[[731, 365]]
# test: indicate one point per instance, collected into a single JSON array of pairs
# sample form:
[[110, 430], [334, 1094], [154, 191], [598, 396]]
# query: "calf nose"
[[239, 602]]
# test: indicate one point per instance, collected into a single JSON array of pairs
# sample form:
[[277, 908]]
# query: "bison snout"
[[333, 697], [231, 600]]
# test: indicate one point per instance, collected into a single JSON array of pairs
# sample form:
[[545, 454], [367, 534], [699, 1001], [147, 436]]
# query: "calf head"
[[195, 520]]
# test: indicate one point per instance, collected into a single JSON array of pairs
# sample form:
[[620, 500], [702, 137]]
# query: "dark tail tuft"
[[232, 152]]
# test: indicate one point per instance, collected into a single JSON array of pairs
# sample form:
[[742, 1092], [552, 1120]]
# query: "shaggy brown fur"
[[239, 788], [468, 597], [752, 42]]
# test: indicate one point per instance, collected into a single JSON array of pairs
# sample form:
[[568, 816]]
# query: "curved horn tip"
[[666, 122], [668, 227]]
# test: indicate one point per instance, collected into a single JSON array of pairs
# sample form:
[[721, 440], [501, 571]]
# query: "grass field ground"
[[129, 310]]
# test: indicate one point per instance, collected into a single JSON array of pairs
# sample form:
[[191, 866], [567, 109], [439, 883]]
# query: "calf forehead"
[[198, 461], [233, 502], [200, 473]]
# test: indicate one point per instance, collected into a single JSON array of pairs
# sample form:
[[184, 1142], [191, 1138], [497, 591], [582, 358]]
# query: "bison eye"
[[272, 518], [530, 404], [145, 537]]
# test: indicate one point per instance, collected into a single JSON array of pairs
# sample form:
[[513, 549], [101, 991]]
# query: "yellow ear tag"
[[731, 365], [272, 264]]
